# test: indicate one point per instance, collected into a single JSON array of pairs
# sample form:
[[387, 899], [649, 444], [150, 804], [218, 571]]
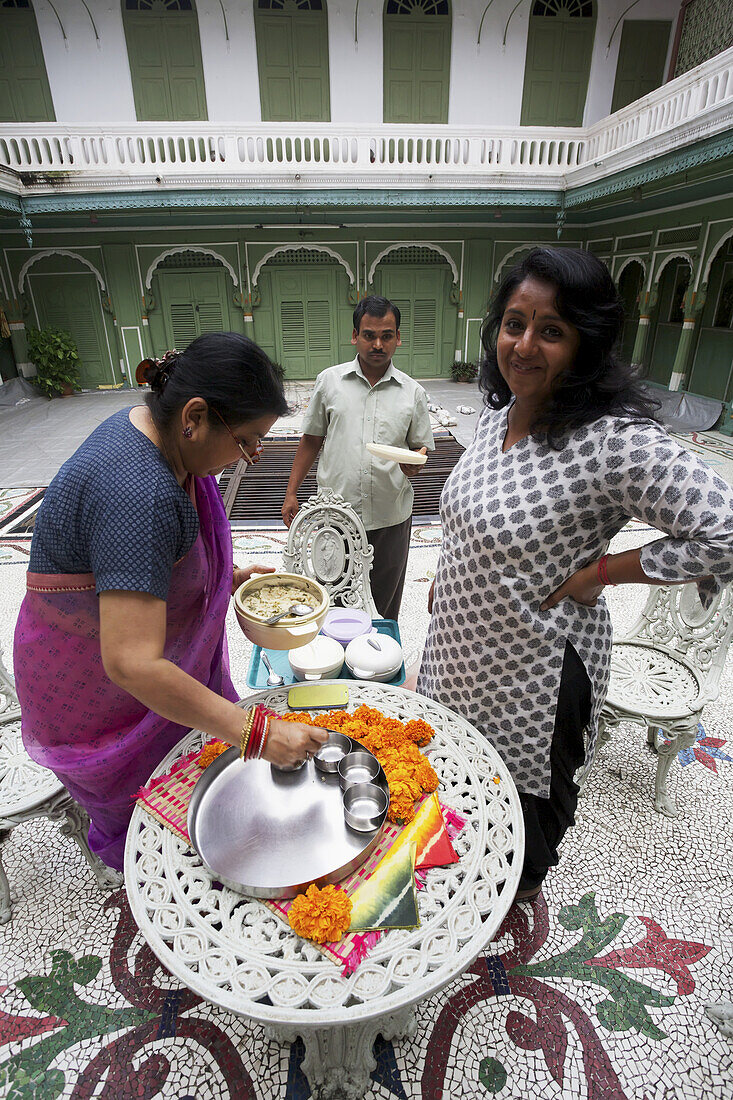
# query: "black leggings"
[[546, 820]]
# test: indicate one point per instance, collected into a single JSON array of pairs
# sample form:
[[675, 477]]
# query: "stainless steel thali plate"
[[269, 834]]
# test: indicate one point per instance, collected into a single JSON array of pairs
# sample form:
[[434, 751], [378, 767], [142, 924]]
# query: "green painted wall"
[[137, 323]]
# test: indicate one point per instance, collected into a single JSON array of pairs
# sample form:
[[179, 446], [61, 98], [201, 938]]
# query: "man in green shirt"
[[368, 401]]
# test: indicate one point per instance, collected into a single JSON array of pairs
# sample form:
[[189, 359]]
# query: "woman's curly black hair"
[[232, 374], [597, 381]]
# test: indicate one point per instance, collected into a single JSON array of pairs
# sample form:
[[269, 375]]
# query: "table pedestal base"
[[339, 1060]]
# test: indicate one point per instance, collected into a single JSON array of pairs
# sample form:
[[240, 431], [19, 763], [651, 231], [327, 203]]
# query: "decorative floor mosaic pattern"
[[597, 990]]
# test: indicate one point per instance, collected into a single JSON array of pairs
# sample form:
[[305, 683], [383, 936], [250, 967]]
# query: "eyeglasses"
[[245, 454]]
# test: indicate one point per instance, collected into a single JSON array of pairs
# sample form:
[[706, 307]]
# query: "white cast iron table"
[[234, 952]]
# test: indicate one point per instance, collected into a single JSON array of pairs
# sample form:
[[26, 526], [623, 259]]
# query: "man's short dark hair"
[[375, 307]]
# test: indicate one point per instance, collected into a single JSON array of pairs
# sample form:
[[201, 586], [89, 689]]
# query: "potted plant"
[[464, 372], [56, 357]]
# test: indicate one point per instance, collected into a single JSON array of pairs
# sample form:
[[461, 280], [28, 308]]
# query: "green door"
[[641, 58], [164, 53], [559, 49], [712, 368], [306, 318], [669, 317], [629, 288], [24, 92], [427, 324], [292, 59], [193, 302], [71, 302], [417, 41]]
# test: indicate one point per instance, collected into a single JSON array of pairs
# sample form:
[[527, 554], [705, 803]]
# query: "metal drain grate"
[[257, 495]]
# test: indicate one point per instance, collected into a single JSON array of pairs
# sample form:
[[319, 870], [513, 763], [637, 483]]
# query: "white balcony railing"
[[44, 157]]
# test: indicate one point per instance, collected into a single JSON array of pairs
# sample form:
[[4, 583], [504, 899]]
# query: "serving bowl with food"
[[265, 595]]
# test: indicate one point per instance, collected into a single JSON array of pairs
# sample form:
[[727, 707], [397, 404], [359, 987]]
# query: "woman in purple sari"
[[120, 646]]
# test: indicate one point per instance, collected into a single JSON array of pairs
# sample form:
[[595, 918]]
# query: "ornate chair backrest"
[[327, 541], [9, 705], [675, 620]]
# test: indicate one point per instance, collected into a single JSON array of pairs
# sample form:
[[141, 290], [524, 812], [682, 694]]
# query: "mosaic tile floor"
[[597, 990]]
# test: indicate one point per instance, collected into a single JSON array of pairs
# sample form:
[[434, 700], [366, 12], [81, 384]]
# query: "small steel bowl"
[[364, 806], [357, 767], [330, 754]]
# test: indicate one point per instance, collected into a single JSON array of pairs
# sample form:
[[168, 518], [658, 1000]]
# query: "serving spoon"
[[298, 609], [274, 680]]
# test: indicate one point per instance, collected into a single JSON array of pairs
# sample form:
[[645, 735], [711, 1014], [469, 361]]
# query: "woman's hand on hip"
[[431, 597], [290, 742], [242, 575], [583, 587]]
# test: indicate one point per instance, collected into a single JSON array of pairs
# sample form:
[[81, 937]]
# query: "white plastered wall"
[[90, 81]]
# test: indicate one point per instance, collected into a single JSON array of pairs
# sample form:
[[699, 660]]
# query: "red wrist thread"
[[602, 570]]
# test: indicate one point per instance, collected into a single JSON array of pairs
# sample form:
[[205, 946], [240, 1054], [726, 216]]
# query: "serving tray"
[[257, 673], [270, 834]]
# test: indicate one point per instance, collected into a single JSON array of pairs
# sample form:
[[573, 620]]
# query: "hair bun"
[[156, 372]]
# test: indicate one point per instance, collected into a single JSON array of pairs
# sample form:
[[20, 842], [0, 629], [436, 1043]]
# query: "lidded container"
[[374, 657], [346, 623], [321, 659], [290, 632]]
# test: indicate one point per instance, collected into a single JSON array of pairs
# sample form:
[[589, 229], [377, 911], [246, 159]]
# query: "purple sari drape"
[[100, 741]]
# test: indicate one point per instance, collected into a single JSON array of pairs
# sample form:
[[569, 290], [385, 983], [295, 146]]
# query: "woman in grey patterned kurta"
[[565, 452]]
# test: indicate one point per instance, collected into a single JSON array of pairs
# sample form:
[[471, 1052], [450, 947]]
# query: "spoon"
[[274, 680], [298, 609]]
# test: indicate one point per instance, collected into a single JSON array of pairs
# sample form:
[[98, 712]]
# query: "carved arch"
[[514, 252], [58, 252], [632, 260], [302, 248], [714, 254], [414, 244], [188, 248]]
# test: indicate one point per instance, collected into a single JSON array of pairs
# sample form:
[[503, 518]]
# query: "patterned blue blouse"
[[115, 509]]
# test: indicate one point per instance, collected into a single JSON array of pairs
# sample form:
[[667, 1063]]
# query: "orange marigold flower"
[[427, 777], [401, 810], [419, 731], [210, 751], [321, 915]]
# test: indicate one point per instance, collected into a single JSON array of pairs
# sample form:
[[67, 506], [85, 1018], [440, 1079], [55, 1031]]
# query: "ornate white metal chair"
[[666, 670], [327, 541], [28, 790]]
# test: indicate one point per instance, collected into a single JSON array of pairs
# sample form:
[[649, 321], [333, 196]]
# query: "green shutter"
[[641, 57], [306, 309], [427, 324], [71, 302], [292, 60], [193, 302], [182, 324], [164, 54], [417, 45], [559, 50], [24, 92]]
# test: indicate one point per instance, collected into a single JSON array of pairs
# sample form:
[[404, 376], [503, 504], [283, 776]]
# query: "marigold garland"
[[210, 751], [321, 915], [395, 744]]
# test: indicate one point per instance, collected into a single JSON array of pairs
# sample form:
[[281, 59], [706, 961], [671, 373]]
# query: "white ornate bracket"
[[327, 542]]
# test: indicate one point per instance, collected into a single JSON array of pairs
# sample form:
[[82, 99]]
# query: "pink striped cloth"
[[166, 799]]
